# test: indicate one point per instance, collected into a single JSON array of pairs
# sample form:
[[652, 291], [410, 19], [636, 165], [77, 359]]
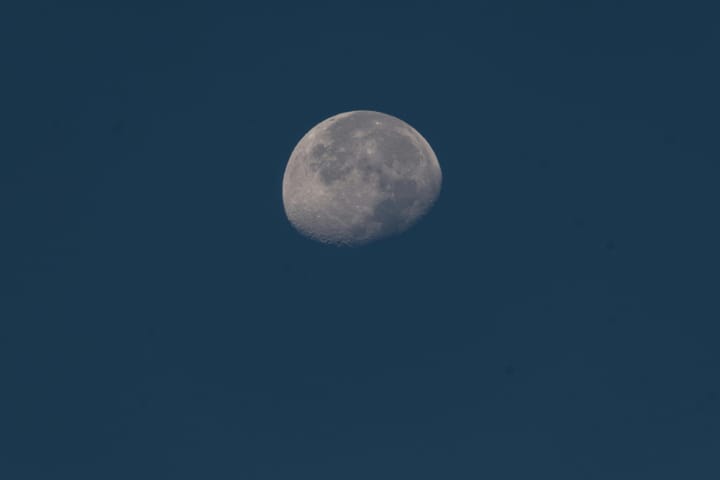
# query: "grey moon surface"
[[358, 177]]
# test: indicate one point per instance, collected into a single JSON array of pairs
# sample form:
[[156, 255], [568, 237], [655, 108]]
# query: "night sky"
[[554, 316]]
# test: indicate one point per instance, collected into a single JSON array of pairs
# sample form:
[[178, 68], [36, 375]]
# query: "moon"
[[359, 176]]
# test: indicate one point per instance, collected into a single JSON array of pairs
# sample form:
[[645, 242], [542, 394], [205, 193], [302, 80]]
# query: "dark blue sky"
[[555, 315]]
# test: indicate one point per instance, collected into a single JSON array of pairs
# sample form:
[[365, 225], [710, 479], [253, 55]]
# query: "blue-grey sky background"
[[554, 316]]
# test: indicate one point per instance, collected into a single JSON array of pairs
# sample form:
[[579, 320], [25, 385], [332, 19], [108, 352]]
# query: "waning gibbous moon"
[[358, 177]]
